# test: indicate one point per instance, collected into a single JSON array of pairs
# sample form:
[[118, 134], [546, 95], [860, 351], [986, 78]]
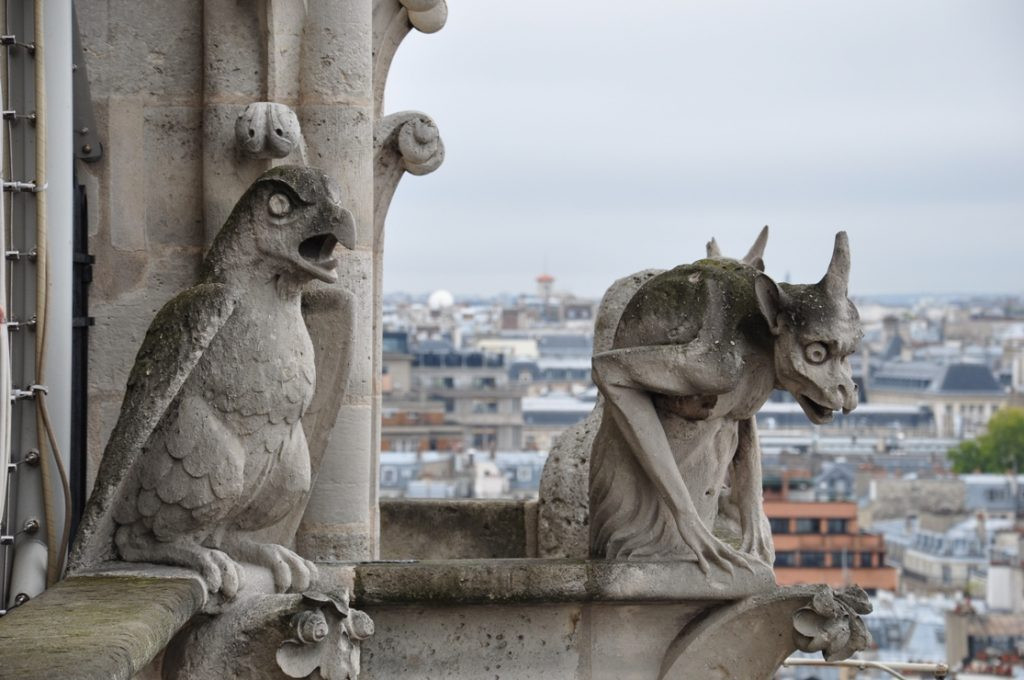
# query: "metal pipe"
[[43, 290], [54, 212], [29, 573], [7, 471], [893, 668], [25, 494], [5, 358], [43, 357]]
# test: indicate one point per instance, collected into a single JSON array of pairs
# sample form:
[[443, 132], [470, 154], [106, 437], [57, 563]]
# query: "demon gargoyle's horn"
[[713, 249], [837, 278], [755, 257]]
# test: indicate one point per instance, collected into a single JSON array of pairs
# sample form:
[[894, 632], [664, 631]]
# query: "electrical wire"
[[58, 563]]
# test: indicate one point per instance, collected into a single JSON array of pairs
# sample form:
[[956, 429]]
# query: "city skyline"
[[593, 141], [883, 298]]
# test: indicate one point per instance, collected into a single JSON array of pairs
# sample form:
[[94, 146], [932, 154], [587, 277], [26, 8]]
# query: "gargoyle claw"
[[709, 550], [291, 572], [221, 573]]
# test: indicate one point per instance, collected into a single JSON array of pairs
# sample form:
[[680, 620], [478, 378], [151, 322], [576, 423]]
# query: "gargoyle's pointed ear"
[[755, 257], [770, 300], [713, 249], [837, 278]]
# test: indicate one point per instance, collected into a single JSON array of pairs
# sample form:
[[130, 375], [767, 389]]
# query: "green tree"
[[1000, 449]]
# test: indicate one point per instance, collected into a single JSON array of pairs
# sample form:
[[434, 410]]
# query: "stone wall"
[[168, 81], [145, 63], [578, 641], [472, 529]]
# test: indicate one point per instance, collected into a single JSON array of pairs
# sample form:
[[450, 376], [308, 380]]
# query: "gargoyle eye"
[[816, 353], [279, 205]]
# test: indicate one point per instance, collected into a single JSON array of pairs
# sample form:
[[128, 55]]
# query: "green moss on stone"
[[105, 627], [680, 300]]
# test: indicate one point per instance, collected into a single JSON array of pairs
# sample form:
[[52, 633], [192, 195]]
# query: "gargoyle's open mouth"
[[318, 256], [818, 413]]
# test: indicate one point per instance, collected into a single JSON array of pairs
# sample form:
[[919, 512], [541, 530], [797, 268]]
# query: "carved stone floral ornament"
[[830, 623], [327, 637], [271, 636]]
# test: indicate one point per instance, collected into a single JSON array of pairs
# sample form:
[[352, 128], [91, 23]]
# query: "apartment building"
[[821, 542]]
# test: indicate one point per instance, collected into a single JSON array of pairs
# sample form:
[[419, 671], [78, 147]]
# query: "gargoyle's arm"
[[674, 370], [708, 363], [626, 377]]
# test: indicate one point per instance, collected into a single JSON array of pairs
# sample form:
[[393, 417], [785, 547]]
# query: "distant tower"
[[544, 284]]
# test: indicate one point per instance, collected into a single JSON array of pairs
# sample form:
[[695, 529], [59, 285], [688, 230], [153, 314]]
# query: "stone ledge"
[[473, 529], [450, 582], [104, 626]]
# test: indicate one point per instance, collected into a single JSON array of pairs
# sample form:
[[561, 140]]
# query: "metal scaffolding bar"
[[893, 668]]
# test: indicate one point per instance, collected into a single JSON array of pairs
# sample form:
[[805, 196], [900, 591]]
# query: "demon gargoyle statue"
[[697, 351]]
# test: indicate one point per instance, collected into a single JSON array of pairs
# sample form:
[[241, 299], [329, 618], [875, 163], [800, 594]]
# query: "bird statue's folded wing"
[[173, 345]]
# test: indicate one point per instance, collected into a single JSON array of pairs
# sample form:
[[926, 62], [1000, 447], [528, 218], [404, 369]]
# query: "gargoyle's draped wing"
[[174, 343]]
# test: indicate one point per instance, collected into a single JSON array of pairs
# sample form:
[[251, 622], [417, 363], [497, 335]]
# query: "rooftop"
[[925, 376]]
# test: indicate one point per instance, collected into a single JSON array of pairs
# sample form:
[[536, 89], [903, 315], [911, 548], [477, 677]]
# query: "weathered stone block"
[[97, 627], [472, 529]]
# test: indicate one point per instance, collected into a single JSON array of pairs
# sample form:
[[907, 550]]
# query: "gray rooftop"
[[923, 376]]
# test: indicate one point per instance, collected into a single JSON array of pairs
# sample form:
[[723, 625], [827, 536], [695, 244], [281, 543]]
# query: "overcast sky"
[[593, 139]]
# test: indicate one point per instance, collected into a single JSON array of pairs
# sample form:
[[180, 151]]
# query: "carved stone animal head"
[[816, 329], [286, 224]]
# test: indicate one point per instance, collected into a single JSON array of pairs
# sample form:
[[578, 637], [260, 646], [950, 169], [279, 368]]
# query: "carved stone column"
[[335, 110], [302, 81], [232, 78], [250, 84], [340, 114], [403, 142]]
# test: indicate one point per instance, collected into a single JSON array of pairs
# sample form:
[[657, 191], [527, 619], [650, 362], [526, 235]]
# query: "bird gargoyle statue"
[[209, 449], [697, 351]]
